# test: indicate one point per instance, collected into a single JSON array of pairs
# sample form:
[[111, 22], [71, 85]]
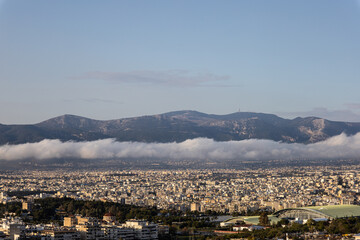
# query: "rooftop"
[[331, 211]]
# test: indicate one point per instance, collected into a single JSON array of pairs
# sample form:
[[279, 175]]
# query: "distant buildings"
[[27, 205], [226, 191], [195, 207]]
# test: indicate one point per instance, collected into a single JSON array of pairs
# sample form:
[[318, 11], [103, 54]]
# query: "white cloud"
[[93, 100], [341, 146], [168, 78]]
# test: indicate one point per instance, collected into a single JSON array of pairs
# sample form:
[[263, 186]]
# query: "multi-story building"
[[118, 232], [143, 229], [89, 228]]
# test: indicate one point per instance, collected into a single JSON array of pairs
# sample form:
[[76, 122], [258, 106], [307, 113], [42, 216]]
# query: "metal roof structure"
[[330, 211], [303, 213]]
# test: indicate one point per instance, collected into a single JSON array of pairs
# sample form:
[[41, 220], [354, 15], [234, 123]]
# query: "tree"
[[340, 180], [282, 222], [311, 224], [264, 219]]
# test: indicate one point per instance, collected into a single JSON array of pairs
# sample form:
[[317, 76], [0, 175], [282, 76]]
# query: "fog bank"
[[341, 146]]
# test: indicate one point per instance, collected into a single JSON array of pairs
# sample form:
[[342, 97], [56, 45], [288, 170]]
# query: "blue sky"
[[114, 59]]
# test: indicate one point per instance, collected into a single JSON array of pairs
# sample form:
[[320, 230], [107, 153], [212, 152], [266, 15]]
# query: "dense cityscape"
[[216, 195], [226, 191]]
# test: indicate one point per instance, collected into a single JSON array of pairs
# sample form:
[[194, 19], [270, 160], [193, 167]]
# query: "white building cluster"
[[78, 228]]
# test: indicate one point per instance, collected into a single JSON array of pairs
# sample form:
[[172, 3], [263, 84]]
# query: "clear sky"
[[114, 59]]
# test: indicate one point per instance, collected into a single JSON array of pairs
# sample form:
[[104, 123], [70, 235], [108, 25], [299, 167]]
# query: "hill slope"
[[179, 126]]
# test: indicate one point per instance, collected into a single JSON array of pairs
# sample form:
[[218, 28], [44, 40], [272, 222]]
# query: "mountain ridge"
[[179, 126]]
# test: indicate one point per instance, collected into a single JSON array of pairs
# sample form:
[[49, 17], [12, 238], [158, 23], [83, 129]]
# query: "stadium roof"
[[330, 211]]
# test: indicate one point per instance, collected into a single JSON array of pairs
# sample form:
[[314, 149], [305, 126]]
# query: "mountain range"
[[179, 126]]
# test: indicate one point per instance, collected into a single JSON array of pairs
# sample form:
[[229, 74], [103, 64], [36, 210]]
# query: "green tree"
[[264, 219], [311, 224]]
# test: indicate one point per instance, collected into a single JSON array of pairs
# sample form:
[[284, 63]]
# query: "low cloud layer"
[[341, 146]]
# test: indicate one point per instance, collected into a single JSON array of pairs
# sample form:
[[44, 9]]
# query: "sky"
[[117, 58]]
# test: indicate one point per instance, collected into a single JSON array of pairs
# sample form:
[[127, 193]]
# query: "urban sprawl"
[[225, 191]]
